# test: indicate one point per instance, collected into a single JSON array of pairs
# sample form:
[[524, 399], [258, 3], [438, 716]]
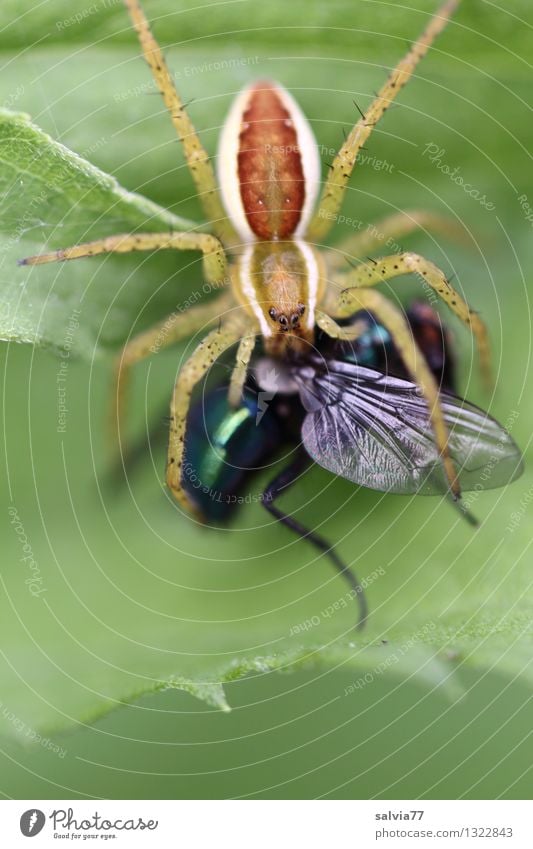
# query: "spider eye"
[[295, 318], [273, 313], [283, 320], [301, 309]]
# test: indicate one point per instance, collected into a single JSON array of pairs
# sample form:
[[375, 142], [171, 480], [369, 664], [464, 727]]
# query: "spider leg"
[[173, 328], [277, 487], [207, 352], [196, 156], [387, 268], [214, 258], [349, 333], [238, 376], [388, 231], [392, 318], [343, 164]]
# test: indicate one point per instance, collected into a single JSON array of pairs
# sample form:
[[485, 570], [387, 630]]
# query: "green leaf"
[[129, 596], [49, 193]]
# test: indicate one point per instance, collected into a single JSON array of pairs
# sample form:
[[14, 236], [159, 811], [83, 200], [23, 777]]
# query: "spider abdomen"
[[268, 164]]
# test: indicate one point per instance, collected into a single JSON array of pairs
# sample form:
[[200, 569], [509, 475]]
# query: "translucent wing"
[[374, 429]]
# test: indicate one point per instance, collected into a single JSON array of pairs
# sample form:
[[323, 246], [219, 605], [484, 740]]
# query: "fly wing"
[[375, 430]]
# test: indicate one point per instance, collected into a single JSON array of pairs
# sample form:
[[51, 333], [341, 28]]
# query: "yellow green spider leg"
[[392, 318], [347, 333], [195, 154], [174, 328], [343, 164], [377, 271], [238, 377], [214, 258], [205, 355], [388, 231]]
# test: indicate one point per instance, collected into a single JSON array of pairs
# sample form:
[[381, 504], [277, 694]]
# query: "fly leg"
[[273, 491]]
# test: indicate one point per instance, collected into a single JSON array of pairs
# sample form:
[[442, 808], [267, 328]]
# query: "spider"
[[264, 249]]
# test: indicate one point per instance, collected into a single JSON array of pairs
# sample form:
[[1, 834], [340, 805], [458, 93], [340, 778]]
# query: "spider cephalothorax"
[[279, 284], [264, 248]]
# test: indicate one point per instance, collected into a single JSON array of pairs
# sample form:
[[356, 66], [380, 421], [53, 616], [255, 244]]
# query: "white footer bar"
[[274, 824]]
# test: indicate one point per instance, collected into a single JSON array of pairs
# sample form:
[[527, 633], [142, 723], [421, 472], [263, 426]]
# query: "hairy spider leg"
[[387, 268], [205, 355], [196, 156], [214, 259], [173, 328], [273, 491], [238, 377], [343, 164], [347, 333], [392, 318], [351, 333], [389, 230]]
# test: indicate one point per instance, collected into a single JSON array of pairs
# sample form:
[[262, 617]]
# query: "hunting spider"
[[264, 249]]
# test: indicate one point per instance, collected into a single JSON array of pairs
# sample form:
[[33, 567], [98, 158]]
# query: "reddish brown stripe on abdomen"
[[270, 166]]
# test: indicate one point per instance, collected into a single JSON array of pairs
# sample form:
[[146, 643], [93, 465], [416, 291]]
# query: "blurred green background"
[[135, 594]]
